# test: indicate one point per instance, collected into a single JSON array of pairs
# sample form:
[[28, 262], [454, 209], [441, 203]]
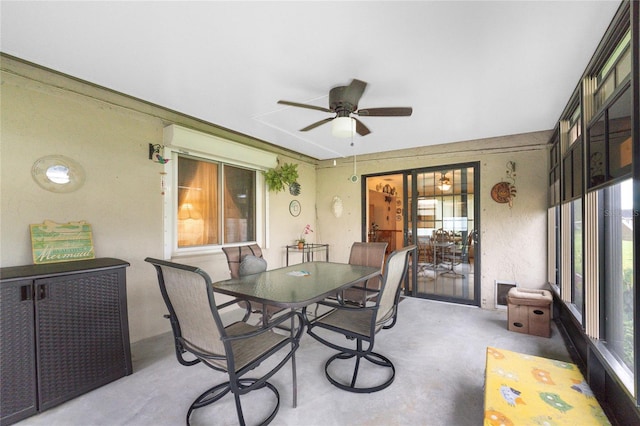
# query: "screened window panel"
[[597, 153], [623, 68], [577, 282], [216, 203], [618, 271], [619, 135], [605, 90], [567, 182], [577, 169], [198, 212], [239, 204]]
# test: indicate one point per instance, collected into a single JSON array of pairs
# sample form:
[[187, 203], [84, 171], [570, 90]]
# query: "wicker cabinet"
[[64, 332]]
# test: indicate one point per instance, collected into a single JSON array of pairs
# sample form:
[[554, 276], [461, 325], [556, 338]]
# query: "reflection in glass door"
[[441, 221]]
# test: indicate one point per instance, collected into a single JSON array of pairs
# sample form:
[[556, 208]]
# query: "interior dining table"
[[295, 287]]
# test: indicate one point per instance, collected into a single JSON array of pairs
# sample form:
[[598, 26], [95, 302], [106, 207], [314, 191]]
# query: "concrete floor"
[[438, 350]]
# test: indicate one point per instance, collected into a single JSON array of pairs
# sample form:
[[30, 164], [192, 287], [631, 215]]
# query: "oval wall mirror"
[[57, 173]]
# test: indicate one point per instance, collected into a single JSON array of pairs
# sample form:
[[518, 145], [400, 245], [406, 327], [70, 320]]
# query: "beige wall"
[[108, 134], [121, 197], [513, 239]]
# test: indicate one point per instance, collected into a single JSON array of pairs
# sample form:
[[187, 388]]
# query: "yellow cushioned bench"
[[523, 389]]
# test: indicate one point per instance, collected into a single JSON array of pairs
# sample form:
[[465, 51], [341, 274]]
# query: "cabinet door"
[[17, 352], [79, 330]]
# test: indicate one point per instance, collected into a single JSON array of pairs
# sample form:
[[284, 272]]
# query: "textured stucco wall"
[[513, 240]]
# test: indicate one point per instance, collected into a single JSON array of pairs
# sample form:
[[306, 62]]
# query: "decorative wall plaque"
[[61, 242]]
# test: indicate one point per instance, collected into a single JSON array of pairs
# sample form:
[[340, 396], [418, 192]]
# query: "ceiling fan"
[[343, 101]]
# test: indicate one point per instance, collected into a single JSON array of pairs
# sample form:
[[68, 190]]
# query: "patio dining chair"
[[245, 260], [365, 254], [361, 324], [235, 349]]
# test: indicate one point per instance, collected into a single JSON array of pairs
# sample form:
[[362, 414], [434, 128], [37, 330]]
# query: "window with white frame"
[[215, 192], [216, 203]]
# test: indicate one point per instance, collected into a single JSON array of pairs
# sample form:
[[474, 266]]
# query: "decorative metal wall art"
[[505, 191]]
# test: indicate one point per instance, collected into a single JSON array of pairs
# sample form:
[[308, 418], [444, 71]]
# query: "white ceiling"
[[470, 70]]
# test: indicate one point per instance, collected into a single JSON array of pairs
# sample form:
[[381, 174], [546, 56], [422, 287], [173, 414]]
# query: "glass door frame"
[[411, 290]]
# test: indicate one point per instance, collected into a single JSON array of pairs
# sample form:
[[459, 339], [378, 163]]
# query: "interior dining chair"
[[235, 349], [362, 323], [365, 254], [241, 261]]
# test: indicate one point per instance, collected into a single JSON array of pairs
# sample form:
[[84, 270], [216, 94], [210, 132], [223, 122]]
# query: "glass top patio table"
[[296, 286]]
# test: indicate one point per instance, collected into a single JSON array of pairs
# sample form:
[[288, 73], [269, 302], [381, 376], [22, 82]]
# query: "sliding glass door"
[[438, 210], [442, 223]]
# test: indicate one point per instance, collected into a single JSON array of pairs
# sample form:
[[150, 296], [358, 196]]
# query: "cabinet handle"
[[26, 293], [41, 292]]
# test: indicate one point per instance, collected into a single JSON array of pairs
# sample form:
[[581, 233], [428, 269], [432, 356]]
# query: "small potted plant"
[[302, 239]]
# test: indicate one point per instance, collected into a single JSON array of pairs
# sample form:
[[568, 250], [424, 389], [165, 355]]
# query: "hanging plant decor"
[[294, 188], [285, 175]]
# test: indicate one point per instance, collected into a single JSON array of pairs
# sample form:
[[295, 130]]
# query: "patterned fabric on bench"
[[529, 390]]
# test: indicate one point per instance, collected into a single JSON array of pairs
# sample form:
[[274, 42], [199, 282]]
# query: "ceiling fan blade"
[[361, 129], [316, 124], [385, 112], [296, 104], [354, 91]]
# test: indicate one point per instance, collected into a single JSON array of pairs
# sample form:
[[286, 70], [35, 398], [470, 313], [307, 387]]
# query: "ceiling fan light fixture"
[[343, 127]]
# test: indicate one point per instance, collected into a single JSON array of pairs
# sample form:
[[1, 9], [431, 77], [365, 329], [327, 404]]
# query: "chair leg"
[[372, 357], [217, 392], [239, 409]]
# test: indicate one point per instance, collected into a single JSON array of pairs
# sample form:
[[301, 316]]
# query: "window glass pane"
[[605, 90], [239, 205], [197, 203], [597, 154], [619, 132], [623, 69], [618, 271], [573, 133], [575, 129], [577, 169], [576, 258], [557, 243], [567, 181], [552, 181], [607, 80]]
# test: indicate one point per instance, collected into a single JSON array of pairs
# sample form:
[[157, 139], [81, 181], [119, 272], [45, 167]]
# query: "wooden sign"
[[61, 242]]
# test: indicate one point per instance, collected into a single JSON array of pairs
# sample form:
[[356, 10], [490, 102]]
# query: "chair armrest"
[[247, 307], [270, 326], [338, 306]]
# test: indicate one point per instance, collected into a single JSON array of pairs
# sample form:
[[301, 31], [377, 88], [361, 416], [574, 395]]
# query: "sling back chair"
[[361, 323], [365, 254], [236, 348], [242, 261]]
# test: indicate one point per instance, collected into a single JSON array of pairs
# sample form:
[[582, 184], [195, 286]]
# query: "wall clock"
[[294, 208]]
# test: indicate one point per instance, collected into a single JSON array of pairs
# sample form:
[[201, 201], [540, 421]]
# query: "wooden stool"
[[529, 311]]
